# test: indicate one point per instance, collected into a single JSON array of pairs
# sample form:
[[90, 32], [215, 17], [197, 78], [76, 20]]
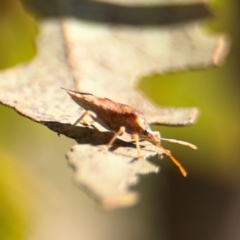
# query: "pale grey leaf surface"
[[105, 177], [104, 54]]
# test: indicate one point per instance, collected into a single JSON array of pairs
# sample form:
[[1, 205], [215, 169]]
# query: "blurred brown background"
[[38, 200]]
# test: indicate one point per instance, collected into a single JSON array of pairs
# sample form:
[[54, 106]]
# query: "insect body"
[[121, 118]]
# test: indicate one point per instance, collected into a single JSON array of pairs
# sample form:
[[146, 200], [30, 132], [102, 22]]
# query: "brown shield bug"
[[121, 118]]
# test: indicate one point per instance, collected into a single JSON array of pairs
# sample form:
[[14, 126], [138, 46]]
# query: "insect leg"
[[136, 138], [119, 132], [81, 119]]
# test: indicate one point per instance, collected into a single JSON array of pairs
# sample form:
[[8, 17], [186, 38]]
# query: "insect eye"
[[145, 132]]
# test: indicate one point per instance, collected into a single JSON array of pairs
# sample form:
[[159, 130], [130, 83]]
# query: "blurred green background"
[[38, 200]]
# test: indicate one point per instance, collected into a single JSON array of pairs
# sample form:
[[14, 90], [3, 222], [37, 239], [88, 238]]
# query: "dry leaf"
[[103, 48], [108, 179]]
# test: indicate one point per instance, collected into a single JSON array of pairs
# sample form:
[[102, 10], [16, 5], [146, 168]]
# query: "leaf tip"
[[221, 51]]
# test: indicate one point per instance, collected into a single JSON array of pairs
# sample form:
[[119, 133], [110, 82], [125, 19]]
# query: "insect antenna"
[[174, 160], [180, 142]]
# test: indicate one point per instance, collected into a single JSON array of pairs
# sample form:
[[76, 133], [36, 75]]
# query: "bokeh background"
[[38, 200]]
